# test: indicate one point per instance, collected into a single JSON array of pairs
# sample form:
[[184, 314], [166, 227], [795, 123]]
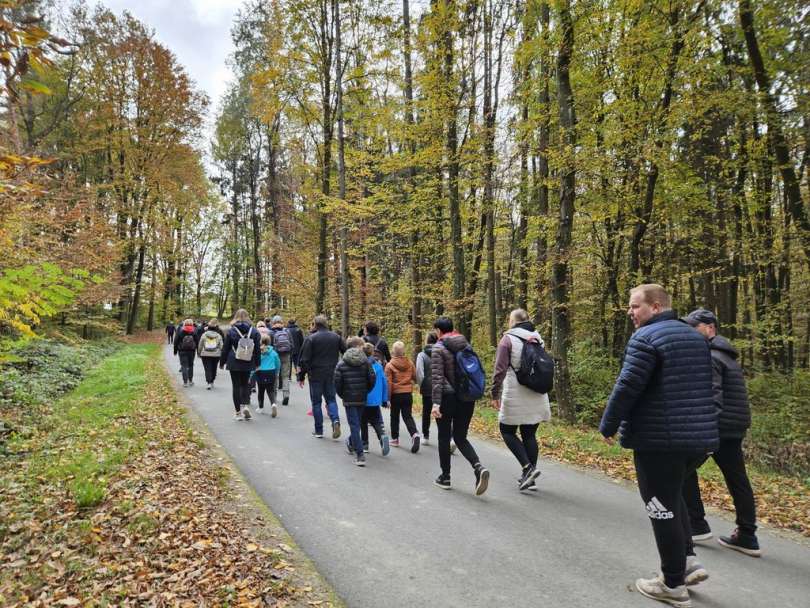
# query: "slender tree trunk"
[[150, 319], [136, 297], [344, 237], [326, 154], [561, 314]]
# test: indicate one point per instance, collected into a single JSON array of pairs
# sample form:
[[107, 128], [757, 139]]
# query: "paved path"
[[385, 537]]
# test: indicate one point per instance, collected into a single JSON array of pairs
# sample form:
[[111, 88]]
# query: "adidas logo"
[[655, 510]]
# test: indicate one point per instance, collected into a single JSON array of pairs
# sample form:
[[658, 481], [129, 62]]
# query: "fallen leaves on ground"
[[782, 501], [170, 532]]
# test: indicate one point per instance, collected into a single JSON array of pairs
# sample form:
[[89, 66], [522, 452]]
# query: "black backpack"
[[187, 343], [536, 369]]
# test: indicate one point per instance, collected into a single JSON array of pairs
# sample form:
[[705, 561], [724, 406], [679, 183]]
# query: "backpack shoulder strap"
[[239, 332]]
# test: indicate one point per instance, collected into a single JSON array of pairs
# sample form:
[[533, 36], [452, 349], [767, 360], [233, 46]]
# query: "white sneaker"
[[246, 412], [695, 572], [238, 417], [452, 447], [260, 410], [654, 588], [273, 410]]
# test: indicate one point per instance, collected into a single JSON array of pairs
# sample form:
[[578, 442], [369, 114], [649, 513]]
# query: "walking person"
[[354, 378], [319, 357], [453, 412], [401, 375], [520, 407], [734, 419], [297, 336], [170, 332], [371, 334], [425, 386], [282, 342], [269, 366], [209, 349], [185, 346], [241, 354], [377, 396], [662, 408]]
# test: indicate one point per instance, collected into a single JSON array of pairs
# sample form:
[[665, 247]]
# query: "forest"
[[395, 162]]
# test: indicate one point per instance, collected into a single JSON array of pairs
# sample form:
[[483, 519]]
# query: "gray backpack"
[[244, 348]]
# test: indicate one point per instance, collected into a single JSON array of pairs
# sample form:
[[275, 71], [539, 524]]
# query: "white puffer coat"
[[519, 404]]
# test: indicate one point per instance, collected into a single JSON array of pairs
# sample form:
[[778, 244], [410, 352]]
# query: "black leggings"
[[402, 403], [427, 408], [241, 389], [455, 421], [266, 383], [525, 448], [210, 366]]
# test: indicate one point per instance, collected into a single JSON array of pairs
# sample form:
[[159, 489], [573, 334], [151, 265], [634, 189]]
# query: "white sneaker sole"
[[749, 552], [687, 603], [698, 576], [273, 410], [701, 537]]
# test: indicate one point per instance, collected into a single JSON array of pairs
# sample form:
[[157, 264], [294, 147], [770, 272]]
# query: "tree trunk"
[[326, 154], [344, 237], [561, 314]]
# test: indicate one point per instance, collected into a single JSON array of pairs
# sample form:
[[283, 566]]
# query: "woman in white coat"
[[519, 407]]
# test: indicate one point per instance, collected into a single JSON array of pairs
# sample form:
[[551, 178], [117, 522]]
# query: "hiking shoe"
[[286, 401], [246, 412], [273, 410], [701, 531], [654, 588], [415, 443], [395, 443], [695, 572], [743, 543], [360, 461], [349, 446], [385, 445], [481, 479], [452, 447], [443, 482], [335, 429], [529, 477], [317, 435]]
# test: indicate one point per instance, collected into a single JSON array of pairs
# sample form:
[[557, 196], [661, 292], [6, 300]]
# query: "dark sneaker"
[[286, 401], [481, 480], [695, 572], [654, 588], [443, 482], [317, 435], [384, 443], [701, 531], [246, 412], [349, 446], [365, 447], [415, 443], [742, 543], [529, 477], [336, 429], [360, 461]]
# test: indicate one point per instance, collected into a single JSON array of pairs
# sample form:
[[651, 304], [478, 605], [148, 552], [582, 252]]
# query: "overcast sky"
[[197, 31]]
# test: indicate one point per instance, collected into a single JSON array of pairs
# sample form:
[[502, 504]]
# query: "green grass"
[[94, 428]]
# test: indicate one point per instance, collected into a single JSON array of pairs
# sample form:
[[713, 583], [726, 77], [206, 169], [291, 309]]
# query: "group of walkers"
[[679, 398]]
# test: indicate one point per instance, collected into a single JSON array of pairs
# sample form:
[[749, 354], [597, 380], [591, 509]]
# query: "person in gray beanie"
[[283, 343], [734, 419]]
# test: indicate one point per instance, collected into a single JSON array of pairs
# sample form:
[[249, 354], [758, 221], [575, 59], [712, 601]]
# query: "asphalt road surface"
[[385, 536]]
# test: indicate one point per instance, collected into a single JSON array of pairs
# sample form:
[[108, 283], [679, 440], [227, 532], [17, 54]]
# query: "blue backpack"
[[470, 377]]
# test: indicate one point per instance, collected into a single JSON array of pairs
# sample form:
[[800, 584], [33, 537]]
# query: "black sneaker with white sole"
[[443, 482], [336, 429], [529, 476], [701, 531], [744, 543], [286, 401], [481, 479]]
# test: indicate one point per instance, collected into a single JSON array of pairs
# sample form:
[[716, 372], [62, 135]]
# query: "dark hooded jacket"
[[296, 337], [380, 347], [730, 394], [443, 365], [354, 378], [232, 341], [662, 400], [178, 339]]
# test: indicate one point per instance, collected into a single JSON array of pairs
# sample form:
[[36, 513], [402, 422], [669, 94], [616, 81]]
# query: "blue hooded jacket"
[[662, 400], [378, 394]]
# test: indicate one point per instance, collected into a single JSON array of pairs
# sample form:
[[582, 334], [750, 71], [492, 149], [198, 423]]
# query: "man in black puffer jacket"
[[662, 407], [354, 378], [734, 419]]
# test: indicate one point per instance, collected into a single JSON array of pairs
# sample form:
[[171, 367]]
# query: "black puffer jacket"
[[443, 365], [730, 395], [232, 341], [319, 355], [354, 377], [662, 400], [380, 347]]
